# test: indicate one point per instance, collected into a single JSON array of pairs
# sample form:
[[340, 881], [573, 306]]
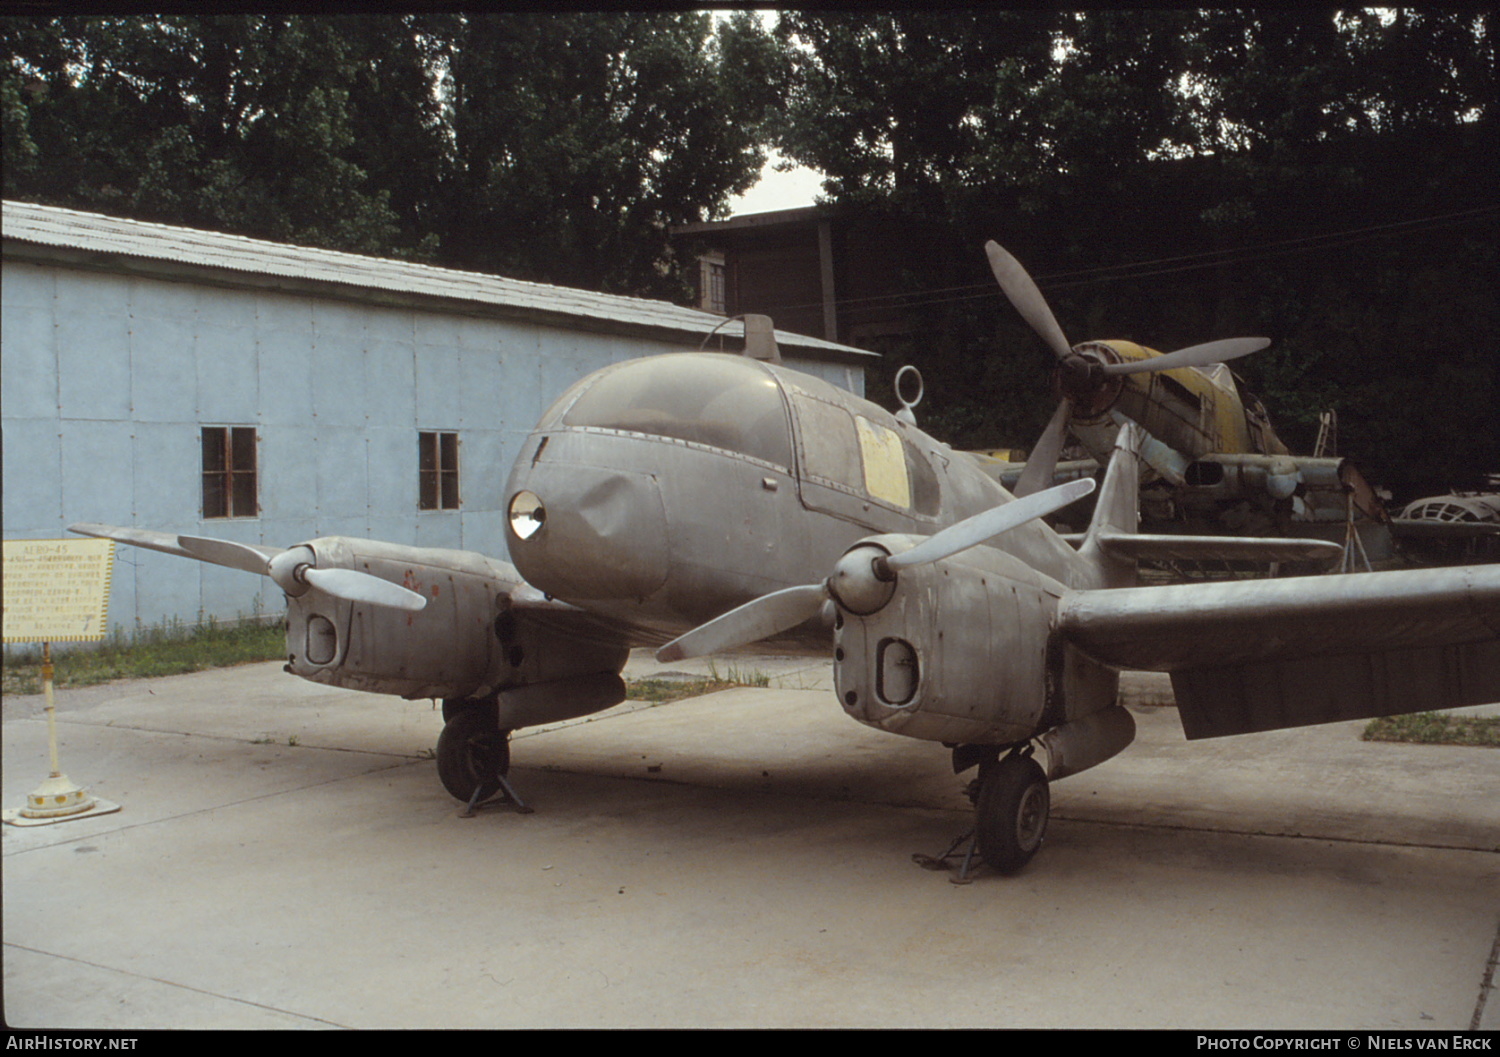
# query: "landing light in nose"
[[527, 515]]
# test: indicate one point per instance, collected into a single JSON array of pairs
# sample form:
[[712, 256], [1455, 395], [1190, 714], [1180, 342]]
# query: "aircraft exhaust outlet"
[[561, 699], [1087, 742]]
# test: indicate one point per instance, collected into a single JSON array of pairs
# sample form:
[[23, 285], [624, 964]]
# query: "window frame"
[[438, 476], [228, 487]]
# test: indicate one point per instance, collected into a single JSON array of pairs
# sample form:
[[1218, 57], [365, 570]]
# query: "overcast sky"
[[778, 190]]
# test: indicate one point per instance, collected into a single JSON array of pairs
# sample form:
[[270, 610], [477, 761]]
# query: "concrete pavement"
[[285, 857]]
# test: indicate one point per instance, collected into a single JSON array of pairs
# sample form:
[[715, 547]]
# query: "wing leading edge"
[[1266, 654]]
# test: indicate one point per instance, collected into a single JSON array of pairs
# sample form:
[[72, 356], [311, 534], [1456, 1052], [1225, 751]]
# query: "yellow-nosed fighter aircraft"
[[1215, 463]]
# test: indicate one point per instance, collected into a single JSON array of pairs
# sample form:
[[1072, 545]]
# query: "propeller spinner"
[[1084, 377]]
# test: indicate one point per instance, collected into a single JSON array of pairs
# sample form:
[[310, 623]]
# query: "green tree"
[[578, 139], [549, 147], [898, 108], [238, 123], [1323, 178]]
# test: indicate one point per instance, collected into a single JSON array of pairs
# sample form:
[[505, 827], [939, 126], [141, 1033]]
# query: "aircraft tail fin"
[[1117, 510]]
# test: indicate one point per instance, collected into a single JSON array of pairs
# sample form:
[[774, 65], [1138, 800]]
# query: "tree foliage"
[[577, 140], [1323, 177], [550, 147], [1171, 176]]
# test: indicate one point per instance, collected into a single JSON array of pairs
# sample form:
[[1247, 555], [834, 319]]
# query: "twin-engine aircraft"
[[1215, 462], [698, 501]]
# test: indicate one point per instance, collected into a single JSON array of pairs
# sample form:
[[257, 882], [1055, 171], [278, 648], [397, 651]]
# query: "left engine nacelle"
[[959, 653], [466, 642]]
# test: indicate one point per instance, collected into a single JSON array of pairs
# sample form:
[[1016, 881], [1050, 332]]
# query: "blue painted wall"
[[108, 379]]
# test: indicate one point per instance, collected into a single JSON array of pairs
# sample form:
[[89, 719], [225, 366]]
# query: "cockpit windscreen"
[[720, 401]]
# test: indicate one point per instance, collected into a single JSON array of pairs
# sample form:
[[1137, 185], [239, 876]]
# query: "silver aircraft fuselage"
[[677, 487]]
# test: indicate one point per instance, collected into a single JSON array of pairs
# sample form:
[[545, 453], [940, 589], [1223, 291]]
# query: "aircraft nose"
[[589, 533]]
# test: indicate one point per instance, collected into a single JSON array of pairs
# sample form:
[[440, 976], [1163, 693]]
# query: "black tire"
[[472, 752], [1014, 801]]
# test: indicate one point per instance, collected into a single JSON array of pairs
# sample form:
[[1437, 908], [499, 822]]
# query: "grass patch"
[[664, 691], [1436, 728], [169, 650]]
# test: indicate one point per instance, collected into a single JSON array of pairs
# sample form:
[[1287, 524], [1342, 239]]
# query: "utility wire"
[[1167, 265]]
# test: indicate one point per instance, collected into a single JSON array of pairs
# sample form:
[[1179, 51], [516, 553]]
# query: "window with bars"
[[437, 458], [229, 472], [713, 295]]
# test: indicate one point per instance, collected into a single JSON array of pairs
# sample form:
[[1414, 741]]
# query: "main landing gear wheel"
[[473, 754], [1011, 812]]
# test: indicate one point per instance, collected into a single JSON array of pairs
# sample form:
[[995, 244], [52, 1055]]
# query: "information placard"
[[57, 590]]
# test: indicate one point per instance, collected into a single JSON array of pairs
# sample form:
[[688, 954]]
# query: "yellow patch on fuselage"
[[885, 463]]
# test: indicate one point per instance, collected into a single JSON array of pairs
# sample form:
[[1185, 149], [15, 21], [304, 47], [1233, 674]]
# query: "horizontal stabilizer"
[[1216, 548]]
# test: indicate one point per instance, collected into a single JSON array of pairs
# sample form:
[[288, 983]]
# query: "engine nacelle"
[[468, 641], [961, 653]]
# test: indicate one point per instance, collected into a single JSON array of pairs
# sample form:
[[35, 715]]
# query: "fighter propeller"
[[1082, 377], [864, 579]]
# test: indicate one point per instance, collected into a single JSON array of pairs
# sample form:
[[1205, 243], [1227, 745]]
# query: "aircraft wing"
[[427, 622], [1422, 528], [1266, 654], [1009, 473], [166, 542], [1133, 547]]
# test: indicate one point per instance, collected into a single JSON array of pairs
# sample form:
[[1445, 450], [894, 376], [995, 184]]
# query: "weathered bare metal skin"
[[734, 526], [1087, 742], [676, 493], [605, 536], [1255, 620], [469, 640], [980, 626], [553, 702]]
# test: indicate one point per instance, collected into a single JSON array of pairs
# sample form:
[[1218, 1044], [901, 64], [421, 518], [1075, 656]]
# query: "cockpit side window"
[[862, 457], [830, 448], [927, 495], [886, 476], [724, 403]]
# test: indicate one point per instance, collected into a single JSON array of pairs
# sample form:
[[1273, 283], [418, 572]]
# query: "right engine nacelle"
[[959, 654]]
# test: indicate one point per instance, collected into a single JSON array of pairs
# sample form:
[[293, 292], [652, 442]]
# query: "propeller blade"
[[348, 584], [355, 586], [1041, 464], [783, 610], [248, 557], [1027, 299], [166, 542], [755, 620], [975, 530], [1192, 356]]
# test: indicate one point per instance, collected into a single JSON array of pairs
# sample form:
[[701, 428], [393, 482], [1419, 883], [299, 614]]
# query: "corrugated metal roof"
[[95, 233]]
